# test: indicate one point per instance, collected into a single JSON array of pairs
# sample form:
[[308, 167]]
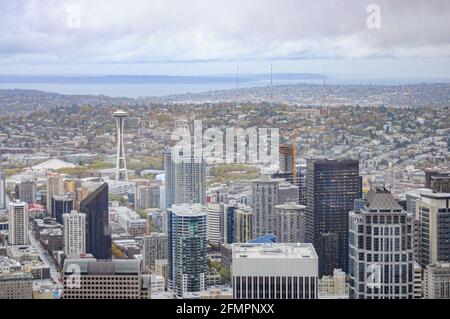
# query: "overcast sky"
[[212, 36]]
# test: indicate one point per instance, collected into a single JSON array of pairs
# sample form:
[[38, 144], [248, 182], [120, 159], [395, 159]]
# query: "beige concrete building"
[[96, 279], [436, 284], [16, 286], [334, 287]]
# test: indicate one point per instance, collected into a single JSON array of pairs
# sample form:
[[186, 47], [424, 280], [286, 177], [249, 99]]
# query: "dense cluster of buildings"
[[328, 226]]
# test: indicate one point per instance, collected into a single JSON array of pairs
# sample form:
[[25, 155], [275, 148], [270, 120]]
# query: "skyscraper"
[[290, 223], [214, 219], [228, 223], [437, 181], [381, 254], [287, 193], [187, 249], [155, 248], [121, 164], [185, 179], [264, 199], [18, 223], [55, 187], [433, 214], [61, 205], [2, 190], [148, 196], [274, 271], [74, 233], [332, 186], [243, 224], [98, 233], [27, 191]]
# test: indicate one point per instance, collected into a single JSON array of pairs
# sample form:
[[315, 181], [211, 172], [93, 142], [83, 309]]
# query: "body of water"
[[135, 87]]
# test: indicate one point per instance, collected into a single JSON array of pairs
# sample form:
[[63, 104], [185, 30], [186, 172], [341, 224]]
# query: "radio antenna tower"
[[237, 86], [324, 93]]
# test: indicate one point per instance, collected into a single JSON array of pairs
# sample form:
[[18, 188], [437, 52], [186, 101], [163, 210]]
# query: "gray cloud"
[[116, 31]]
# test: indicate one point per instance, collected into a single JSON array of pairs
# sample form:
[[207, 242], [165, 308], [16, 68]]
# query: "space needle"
[[121, 164]]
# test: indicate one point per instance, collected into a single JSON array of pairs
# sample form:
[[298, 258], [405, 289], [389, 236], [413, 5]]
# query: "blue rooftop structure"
[[266, 239]]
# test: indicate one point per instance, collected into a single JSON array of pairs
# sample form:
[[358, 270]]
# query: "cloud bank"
[[155, 31]]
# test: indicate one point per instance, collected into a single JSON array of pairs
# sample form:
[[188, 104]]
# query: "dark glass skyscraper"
[[98, 234], [332, 186], [61, 205]]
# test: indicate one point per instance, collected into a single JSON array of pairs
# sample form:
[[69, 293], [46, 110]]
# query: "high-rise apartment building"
[[274, 271], [74, 233], [290, 223], [98, 233], [187, 249], [264, 200], [185, 179], [155, 248], [2, 190], [438, 181], [18, 223], [287, 193], [148, 196], [243, 224], [381, 251], [433, 214], [27, 191], [332, 186], [55, 187], [214, 220], [228, 223]]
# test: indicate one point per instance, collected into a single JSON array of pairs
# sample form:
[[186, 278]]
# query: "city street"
[[45, 258]]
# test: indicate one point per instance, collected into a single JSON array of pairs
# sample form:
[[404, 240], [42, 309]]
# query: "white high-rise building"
[[213, 222], [18, 223], [433, 214], [2, 190], [274, 271], [264, 199], [185, 179], [381, 249], [74, 234]]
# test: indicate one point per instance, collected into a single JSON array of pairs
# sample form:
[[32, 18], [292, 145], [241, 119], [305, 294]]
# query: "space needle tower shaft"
[[121, 164]]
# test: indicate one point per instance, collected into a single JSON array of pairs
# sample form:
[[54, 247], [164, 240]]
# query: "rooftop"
[[101, 267], [381, 198], [290, 205], [188, 209], [282, 250], [437, 196]]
